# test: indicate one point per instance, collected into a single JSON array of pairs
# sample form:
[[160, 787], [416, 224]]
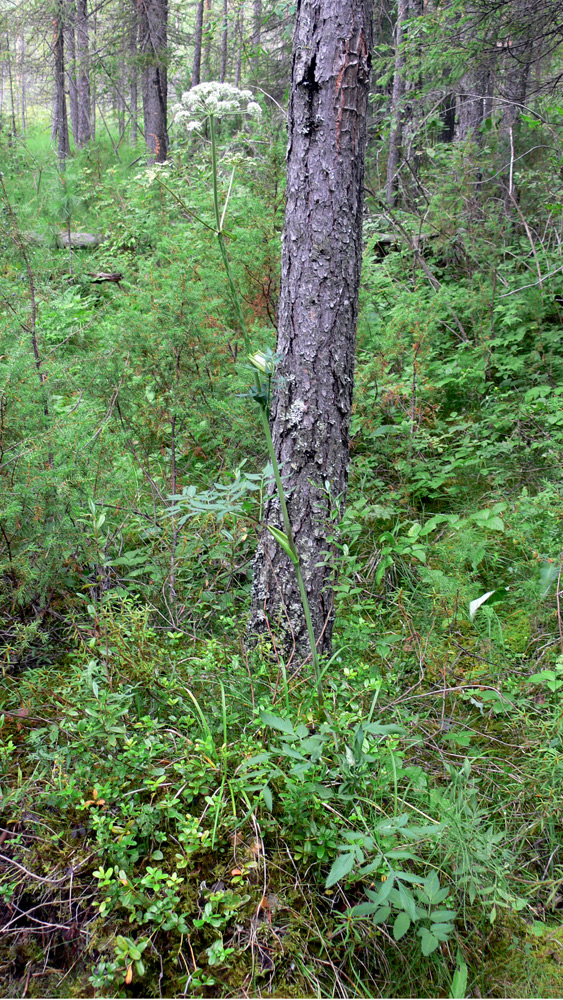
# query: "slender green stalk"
[[219, 220], [289, 533]]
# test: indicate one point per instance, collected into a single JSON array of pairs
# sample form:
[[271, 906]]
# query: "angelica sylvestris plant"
[[213, 100], [207, 103]]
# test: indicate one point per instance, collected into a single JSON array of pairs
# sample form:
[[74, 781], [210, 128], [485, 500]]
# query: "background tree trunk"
[[84, 130], [472, 92], [395, 135], [133, 72], [208, 39], [198, 42], [256, 36], [60, 120], [321, 260], [153, 36], [14, 130], [23, 82], [70, 66], [239, 35], [224, 42]]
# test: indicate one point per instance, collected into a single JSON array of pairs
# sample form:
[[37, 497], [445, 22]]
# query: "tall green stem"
[[264, 420]]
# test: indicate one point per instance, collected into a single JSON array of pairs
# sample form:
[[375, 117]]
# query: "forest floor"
[[179, 816]]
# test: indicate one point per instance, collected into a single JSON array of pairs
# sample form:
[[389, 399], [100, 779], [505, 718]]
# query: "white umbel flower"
[[217, 99]]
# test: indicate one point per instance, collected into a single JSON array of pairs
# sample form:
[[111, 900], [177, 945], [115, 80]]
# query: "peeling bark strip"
[[321, 260]]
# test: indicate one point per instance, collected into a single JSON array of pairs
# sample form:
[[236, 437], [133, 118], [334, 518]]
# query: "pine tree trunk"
[[60, 123], [396, 133], [239, 34], [256, 36], [198, 42], [84, 130], [224, 42], [153, 37], [471, 94], [321, 260], [70, 43], [133, 74], [208, 39]]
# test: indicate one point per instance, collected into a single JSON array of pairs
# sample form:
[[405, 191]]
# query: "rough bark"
[[198, 42], [475, 88], [472, 95], [60, 119], [256, 36], [518, 56], [153, 38], [208, 39], [84, 129], [224, 42], [133, 72], [396, 133], [321, 259], [70, 65], [239, 34]]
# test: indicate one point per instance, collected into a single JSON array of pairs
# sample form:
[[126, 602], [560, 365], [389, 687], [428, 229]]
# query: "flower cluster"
[[217, 99]]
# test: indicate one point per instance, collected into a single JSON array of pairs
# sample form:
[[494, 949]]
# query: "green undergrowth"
[[177, 819]]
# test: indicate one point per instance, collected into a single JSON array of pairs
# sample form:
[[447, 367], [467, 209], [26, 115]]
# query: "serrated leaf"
[[441, 916], [407, 901], [276, 722], [341, 867], [267, 796], [442, 931], [429, 942], [431, 886], [364, 910], [401, 925], [382, 893]]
